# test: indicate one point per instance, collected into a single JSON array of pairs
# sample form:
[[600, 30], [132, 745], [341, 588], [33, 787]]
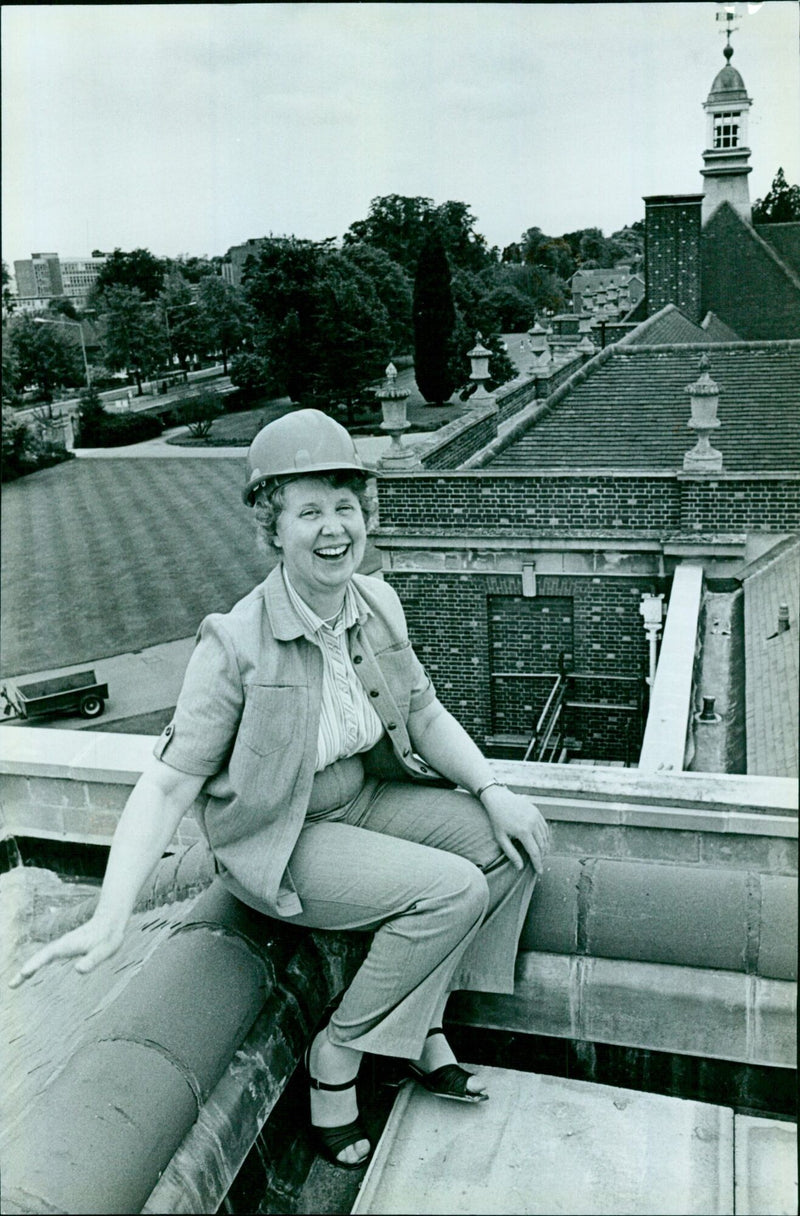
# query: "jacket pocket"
[[270, 717]]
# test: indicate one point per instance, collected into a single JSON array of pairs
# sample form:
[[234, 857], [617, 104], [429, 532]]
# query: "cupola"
[[727, 155]]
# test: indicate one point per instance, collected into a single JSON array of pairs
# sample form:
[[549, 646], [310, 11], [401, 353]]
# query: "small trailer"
[[78, 692]]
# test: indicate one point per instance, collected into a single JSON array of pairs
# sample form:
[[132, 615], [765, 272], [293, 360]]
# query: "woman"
[[323, 767]]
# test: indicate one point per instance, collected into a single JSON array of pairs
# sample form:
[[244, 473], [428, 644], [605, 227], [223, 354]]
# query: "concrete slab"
[[766, 1166], [551, 1145]]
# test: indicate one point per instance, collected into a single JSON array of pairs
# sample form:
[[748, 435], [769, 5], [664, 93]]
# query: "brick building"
[[524, 564]]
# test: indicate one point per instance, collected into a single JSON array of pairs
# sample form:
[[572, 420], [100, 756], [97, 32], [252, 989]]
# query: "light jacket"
[[248, 717]]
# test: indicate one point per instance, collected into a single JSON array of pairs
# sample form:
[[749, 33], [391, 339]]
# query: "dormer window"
[[726, 130]]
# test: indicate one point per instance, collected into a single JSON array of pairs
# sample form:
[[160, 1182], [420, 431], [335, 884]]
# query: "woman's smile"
[[322, 536]]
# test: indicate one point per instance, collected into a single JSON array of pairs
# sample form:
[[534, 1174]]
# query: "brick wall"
[[465, 627], [672, 253], [739, 505], [510, 400], [553, 501], [592, 502], [457, 441]]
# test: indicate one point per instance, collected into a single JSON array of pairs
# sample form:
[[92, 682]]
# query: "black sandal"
[[332, 1140], [449, 1081]]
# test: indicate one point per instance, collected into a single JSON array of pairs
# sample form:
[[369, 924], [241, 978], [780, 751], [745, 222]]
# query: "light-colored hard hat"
[[298, 445]]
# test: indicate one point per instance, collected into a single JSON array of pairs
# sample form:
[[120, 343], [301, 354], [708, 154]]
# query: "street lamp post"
[[47, 321]]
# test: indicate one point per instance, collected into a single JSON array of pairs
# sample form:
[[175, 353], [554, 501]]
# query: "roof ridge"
[[708, 346], [761, 563], [759, 240]]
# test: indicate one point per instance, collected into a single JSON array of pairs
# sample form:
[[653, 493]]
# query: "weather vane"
[[728, 13]]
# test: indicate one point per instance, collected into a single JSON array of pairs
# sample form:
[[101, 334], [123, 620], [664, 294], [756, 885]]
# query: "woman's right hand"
[[91, 943]]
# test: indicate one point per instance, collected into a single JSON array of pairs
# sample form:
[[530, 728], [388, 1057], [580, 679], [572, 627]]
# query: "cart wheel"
[[90, 707]]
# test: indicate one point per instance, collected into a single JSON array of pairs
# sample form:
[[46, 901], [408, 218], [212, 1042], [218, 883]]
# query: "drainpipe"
[[651, 609]]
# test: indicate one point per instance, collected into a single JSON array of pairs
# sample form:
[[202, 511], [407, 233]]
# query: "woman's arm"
[[158, 802], [447, 747]]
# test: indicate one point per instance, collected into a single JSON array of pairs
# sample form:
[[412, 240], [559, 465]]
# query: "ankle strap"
[[434, 1030], [315, 1084]]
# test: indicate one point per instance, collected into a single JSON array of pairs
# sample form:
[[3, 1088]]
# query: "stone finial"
[[704, 398], [393, 407]]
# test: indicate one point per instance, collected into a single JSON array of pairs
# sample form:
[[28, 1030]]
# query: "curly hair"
[[269, 503]]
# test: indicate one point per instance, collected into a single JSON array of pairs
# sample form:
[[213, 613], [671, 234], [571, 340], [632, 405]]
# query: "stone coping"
[[600, 473], [77, 755]]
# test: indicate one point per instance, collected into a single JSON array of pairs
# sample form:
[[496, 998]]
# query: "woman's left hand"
[[514, 817]]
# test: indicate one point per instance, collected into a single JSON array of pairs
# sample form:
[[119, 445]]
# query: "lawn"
[[101, 557]]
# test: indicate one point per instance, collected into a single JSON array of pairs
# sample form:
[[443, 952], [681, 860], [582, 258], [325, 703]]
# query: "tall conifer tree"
[[434, 320]]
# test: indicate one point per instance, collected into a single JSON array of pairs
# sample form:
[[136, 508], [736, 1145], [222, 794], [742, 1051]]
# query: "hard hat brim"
[[259, 483]]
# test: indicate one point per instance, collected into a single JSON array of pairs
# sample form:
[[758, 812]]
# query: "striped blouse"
[[347, 721]]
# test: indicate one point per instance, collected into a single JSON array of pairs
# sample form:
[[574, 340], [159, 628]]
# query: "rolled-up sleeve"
[[200, 736], [422, 690]]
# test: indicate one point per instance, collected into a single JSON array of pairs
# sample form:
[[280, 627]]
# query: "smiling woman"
[[328, 771]]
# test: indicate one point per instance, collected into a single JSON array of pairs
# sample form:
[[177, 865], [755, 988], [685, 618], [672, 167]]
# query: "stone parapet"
[[719, 1015]]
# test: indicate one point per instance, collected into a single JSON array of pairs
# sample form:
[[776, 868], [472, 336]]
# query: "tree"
[[134, 338], [45, 355], [63, 307], [466, 249], [251, 373], [434, 320], [179, 318], [395, 224], [392, 287], [222, 317], [138, 269], [278, 286], [398, 224], [198, 411], [318, 320], [9, 301], [353, 334], [781, 205]]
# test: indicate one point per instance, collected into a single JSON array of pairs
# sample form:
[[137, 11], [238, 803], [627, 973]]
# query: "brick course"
[[483, 625]]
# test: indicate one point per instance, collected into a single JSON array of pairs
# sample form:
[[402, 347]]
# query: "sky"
[[188, 128]]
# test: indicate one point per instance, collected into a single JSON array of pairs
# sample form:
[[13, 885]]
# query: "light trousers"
[[419, 867]]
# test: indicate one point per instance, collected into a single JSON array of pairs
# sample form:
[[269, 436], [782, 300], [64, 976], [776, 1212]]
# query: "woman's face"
[[321, 536]]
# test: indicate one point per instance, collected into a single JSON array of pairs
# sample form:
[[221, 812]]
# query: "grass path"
[[101, 557]]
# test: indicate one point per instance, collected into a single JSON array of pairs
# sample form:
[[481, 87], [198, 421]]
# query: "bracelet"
[[487, 786]]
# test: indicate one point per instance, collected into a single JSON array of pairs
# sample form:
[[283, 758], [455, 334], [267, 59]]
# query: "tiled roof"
[[785, 240], [716, 330], [632, 410], [668, 325], [771, 661]]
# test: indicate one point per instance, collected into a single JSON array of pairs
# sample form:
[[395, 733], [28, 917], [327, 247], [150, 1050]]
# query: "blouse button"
[[406, 751], [373, 692], [357, 658], [391, 726], [422, 768]]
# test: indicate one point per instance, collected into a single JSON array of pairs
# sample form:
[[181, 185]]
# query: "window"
[[726, 130]]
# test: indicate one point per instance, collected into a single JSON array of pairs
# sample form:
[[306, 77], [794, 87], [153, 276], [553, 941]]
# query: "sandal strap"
[[315, 1084], [449, 1079], [434, 1030], [339, 1138]]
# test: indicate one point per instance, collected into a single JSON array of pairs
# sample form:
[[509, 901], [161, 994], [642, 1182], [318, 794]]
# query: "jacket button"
[[406, 751], [357, 658], [391, 726], [422, 768], [373, 692]]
